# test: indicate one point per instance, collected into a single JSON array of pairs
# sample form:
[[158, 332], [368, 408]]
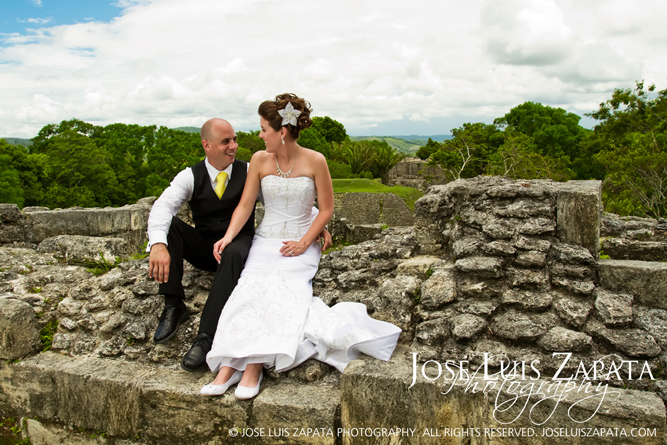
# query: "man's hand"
[[158, 263], [325, 240]]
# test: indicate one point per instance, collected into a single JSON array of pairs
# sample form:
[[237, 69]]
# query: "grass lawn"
[[408, 194]]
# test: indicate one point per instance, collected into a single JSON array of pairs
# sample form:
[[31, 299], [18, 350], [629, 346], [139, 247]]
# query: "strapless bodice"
[[288, 207]]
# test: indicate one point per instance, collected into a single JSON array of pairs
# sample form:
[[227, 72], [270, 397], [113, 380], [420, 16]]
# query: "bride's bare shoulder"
[[313, 155]]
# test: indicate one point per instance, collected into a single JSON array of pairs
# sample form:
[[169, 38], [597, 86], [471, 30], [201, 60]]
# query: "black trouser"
[[196, 247]]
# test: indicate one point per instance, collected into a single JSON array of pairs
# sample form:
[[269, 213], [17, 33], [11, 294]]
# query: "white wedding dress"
[[272, 316]]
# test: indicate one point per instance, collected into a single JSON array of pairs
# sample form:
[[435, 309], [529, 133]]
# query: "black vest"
[[212, 214]]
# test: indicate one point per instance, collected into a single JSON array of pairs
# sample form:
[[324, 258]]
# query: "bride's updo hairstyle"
[[269, 111]]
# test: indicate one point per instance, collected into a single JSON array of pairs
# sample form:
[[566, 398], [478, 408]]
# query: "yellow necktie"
[[220, 186]]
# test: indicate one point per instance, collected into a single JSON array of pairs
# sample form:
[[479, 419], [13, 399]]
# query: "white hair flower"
[[289, 114]]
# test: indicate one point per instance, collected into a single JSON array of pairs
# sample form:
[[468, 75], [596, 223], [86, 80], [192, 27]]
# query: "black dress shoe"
[[171, 317], [195, 358]]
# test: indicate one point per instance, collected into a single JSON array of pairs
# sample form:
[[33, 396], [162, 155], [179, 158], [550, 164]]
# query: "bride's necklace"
[[283, 174]]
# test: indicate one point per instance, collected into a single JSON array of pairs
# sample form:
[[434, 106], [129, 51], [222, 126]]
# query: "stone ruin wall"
[[416, 172], [491, 265]]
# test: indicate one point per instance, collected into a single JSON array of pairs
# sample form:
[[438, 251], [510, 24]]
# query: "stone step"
[[478, 410], [377, 403], [146, 404], [646, 281], [627, 249]]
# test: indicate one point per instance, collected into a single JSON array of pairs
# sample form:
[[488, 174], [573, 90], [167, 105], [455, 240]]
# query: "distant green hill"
[[407, 145], [189, 129], [18, 141]]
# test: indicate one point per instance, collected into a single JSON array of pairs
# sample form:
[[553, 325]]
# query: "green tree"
[[330, 129], [427, 150], [250, 141], [384, 159], [39, 142], [313, 139], [127, 146], [10, 183], [556, 133], [632, 138], [358, 155], [77, 172], [173, 151], [28, 167], [467, 154], [339, 170], [518, 158]]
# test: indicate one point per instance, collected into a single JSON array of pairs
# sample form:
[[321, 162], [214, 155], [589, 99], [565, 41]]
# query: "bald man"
[[170, 240]]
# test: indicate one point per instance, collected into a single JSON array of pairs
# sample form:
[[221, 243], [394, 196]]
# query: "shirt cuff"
[[156, 238]]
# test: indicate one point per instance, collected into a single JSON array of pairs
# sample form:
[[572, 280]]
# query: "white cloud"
[[37, 20], [362, 62]]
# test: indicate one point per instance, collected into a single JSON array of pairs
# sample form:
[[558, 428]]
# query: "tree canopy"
[[75, 163]]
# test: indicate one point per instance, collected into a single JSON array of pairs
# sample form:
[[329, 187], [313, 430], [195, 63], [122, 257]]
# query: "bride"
[[271, 319]]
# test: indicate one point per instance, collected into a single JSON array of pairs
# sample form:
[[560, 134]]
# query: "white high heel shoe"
[[218, 390], [245, 393]]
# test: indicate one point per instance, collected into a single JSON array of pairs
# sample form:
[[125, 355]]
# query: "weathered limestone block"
[[515, 189], [396, 301], [12, 224], [514, 325], [626, 249], [525, 208], [527, 243], [433, 332], [633, 342], [288, 407], [418, 266], [439, 289], [467, 326], [527, 277], [570, 254], [468, 246], [86, 248], [475, 289], [491, 267], [49, 434], [565, 340], [577, 287], [531, 259], [498, 248], [578, 214], [358, 233], [481, 308], [375, 208], [356, 278], [10, 214], [126, 399], [537, 226], [614, 310], [19, 331], [500, 229], [527, 300], [572, 313], [645, 281], [653, 321], [70, 307], [128, 222], [572, 271]]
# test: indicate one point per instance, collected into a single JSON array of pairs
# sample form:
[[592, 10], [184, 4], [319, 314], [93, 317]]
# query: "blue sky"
[[381, 67], [22, 16]]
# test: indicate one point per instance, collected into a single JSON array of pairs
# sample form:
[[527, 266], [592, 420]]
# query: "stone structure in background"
[[492, 268], [417, 173]]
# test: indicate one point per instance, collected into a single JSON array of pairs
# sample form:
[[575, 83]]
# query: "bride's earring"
[[283, 140]]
